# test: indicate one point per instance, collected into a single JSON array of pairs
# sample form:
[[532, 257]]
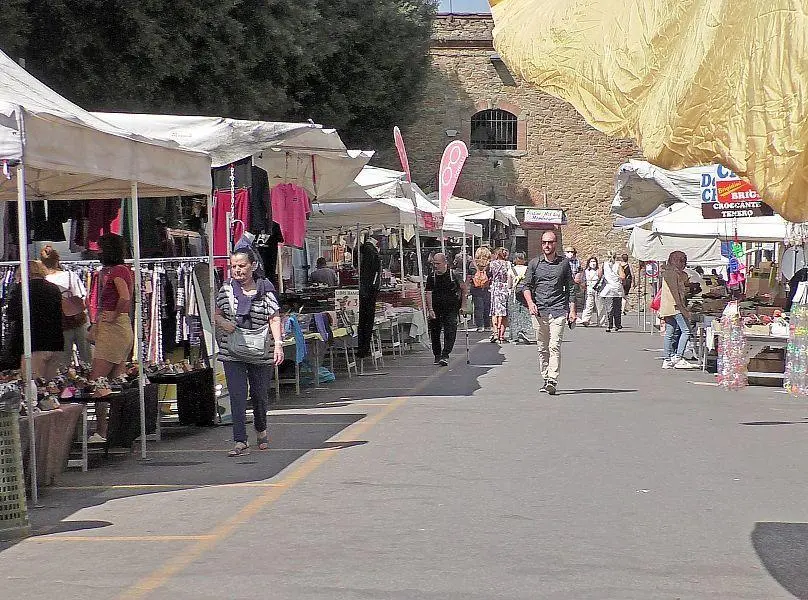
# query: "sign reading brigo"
[[725, 195]]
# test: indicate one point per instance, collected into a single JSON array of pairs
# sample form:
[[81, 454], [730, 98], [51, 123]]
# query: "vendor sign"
[[540, 218], [724, 195]]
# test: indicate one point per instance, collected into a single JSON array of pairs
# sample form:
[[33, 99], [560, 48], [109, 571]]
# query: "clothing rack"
[[143, 261]]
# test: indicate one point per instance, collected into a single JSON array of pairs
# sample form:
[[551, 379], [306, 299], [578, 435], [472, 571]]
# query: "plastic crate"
[[13, 509]]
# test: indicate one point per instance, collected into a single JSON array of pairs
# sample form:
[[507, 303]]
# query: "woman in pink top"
[[113, 333]]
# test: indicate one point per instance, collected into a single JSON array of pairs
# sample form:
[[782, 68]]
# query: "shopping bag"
[[656, 301]]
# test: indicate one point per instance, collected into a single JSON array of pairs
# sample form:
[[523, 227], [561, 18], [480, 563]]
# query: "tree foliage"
[[357, 65]]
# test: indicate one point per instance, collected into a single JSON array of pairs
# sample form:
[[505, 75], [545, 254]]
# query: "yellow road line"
[[226, 528], [166, 486], [120, 538]]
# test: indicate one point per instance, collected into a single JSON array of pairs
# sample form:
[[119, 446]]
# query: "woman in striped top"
[[247, 303]]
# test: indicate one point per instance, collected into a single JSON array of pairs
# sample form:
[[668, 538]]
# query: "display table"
[[706, 339], [54, 432], [411, 321], [196, 402]]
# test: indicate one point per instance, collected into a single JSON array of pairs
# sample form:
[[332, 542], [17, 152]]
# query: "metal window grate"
[[493, 129]]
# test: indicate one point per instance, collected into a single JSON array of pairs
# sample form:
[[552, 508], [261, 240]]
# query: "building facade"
[[526, 147]]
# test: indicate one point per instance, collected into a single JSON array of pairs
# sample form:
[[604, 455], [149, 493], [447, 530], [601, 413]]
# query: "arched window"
[[493, 129]]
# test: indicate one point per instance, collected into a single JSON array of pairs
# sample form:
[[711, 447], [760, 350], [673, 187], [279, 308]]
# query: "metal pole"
[[30, 395], [211, 278], [141, 389], [401, 257]]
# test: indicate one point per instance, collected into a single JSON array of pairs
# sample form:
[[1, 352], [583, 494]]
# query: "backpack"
[[73, 308], [480, 279]]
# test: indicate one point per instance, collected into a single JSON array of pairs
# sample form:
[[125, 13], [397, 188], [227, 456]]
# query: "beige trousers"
[[549, 334]]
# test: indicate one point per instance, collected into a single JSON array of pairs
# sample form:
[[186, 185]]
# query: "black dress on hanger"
[[370, 280]]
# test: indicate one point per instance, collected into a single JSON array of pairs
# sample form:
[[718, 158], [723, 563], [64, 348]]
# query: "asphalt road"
[[427, 483]]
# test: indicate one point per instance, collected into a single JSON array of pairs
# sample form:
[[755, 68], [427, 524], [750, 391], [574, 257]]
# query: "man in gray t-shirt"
[[323, 275], [548, 291]]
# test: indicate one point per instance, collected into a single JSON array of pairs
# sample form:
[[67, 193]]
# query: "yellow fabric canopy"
[[693, 81]]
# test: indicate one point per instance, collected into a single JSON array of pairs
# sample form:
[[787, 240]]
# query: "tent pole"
[[422, 283], [401, 258], [141, 385], [30, 395], [442, 241], [211, 278], [465, 258]]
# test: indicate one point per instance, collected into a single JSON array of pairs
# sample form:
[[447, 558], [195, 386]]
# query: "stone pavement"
[[427, 483]]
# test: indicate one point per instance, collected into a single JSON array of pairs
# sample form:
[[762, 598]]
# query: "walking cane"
[[466, 321]]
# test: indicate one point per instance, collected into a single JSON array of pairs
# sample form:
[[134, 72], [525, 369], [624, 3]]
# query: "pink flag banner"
[[402, 152], [450, 166]]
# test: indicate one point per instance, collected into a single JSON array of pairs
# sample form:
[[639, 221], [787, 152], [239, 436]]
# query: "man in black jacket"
[[445, 290]]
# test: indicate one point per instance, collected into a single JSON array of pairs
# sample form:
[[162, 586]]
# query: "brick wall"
[[560, 157]]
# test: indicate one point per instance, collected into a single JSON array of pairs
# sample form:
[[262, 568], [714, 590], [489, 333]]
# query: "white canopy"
[[306, 154], [686, 221], [641, 188], [647, 245], [71, 154], [474, 211]]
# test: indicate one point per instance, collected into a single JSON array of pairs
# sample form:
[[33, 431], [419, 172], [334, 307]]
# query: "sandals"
[[263, 441], [240, 449]]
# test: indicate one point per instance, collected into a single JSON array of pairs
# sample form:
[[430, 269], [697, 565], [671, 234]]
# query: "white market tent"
[[646, 245], [306, 154], [684, 220], [475, 211], [61, 152]]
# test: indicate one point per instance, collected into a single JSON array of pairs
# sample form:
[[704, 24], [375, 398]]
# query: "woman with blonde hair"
[[612, 292], [46, 323], [499, 270], [74, 314], [480, 285]]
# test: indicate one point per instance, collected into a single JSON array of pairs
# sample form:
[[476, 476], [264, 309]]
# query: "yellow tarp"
[[693, 81]]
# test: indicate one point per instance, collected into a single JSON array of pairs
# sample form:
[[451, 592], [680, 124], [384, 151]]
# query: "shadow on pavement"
[[775, 423], [190, 458], [783, 550], [595, 391]]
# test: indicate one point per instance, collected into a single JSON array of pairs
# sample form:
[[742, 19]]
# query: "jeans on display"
[[676, 325], [482, 306], [448, 323], [549, 335], [238, 375], [614, 310]]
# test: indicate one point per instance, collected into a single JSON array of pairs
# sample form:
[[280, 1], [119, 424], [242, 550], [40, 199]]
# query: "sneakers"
[[550, 387], [437, 360], [443, 362], [96, 439], [683, 364], [480, 329], [667, 364]]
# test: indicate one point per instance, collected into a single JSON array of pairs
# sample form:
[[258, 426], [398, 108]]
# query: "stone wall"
[[561, 161]]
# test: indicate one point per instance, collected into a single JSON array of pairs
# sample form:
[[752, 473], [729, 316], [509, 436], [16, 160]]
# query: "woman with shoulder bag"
[[74, 308], [247, 312], [612, 292]]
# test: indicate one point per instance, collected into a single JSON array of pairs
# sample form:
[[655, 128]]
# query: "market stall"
[[51, 148]]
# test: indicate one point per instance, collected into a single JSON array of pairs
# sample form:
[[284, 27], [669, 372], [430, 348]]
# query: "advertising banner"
[[724, 195], [451, 163]]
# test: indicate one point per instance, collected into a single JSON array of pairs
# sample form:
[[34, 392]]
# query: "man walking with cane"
[[445, 291], [547, 289]]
